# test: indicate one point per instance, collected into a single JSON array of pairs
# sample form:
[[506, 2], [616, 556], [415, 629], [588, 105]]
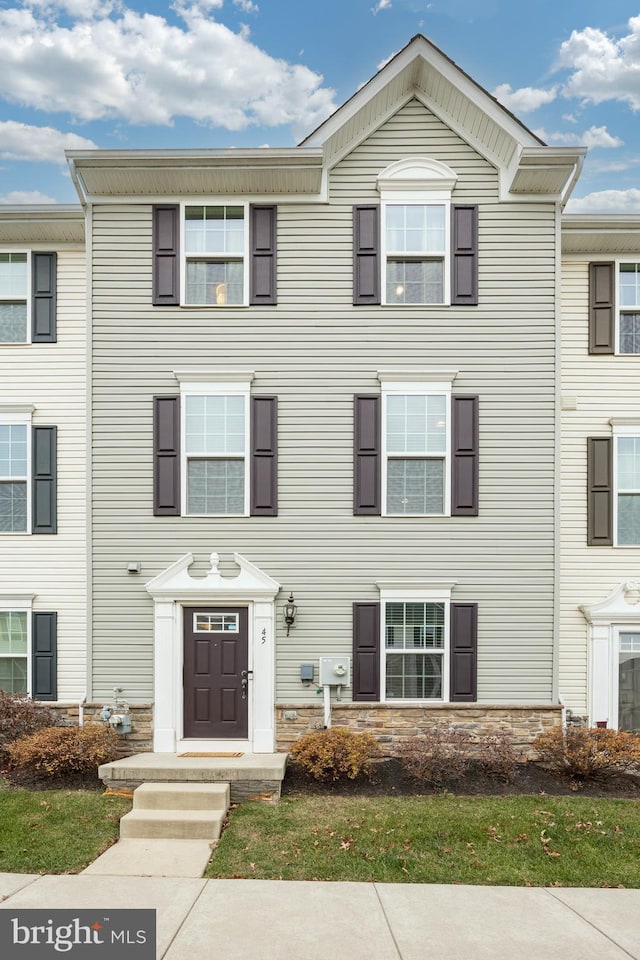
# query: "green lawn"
[[523, 840], [56, 831]]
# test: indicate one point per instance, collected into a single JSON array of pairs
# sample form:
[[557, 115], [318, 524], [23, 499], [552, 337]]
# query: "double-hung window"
[[415, 642], [15, 469], [627, 487], [215, 263], [416, 241], [14, 650], [629, 307], [416, 475], [14, 294], [215, 461]]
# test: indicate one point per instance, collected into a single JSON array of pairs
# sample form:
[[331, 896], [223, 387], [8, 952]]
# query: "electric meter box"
[[335, 671]]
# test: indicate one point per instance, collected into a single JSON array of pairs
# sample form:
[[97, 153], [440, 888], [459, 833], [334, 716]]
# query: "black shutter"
[[44, 480], [366, 652], [463, 652], [264, 456], [366, 255], [166, 248], [367, 455], [166, 456], [600, 491], [44, 654], [465, 447], [602, 325], [263, 255], [464, 254], [43, 297]]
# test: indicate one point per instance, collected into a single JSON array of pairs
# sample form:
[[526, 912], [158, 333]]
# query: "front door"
[[216, 662]]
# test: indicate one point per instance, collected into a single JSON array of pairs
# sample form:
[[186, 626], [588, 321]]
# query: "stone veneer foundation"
[[392, 724], [140, 740]]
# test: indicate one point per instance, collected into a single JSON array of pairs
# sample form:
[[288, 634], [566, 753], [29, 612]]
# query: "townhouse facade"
[[343, 402]]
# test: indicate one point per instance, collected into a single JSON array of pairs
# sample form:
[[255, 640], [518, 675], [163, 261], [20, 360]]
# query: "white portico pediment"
[[177, 583], [621, 606]]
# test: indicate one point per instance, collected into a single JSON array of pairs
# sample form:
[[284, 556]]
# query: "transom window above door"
[[215, 254]]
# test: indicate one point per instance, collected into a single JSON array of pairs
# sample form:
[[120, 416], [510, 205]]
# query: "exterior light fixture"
[[290, 611]]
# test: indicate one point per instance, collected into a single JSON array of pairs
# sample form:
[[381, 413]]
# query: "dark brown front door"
[[216, 660]]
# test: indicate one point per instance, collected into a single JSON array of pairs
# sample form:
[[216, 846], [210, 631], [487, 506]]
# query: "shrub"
[[19, 717], [589, 753], [59, 752], [496, 755], [439, 755], [335, 753]]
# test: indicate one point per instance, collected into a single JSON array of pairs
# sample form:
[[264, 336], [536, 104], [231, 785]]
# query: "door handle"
[[245, 674]]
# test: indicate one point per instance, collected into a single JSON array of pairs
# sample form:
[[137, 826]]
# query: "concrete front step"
[[182, 796], [172, 824]]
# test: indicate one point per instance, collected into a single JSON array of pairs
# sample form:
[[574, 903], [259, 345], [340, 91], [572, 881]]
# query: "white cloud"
[[140, 68], [25, 196], [603, 68], [607, 201], [20, 141], [247, 6], [593, 137], [381, 5], [524, 100], [80, 9]]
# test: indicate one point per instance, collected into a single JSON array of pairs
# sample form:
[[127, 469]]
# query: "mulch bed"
[[530, 778]]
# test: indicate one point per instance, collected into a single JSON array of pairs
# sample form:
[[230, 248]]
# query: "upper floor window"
[[14, 473], [14, 292], [627, 486], [215, 255], [629, 307], [216, 453]]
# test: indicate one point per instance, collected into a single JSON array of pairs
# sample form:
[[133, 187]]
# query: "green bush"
[[437, 756], [335, 754], [59, 752], [589, 753], [19, 717]]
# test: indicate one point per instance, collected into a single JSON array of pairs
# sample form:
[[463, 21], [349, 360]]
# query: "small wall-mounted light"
[[134, 567], [290, 611]]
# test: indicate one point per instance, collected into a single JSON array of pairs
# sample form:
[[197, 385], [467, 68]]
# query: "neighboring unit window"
[[14, 656], [629, 307], [416, 444], [628, 490], [215, 452], [414, 654], [14, 474], [14, 287], [215, 255], [415, 252], [629, 682]]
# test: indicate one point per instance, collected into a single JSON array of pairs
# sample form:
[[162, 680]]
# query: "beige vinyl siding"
[[52, 377], [602, 387], [315, 350]]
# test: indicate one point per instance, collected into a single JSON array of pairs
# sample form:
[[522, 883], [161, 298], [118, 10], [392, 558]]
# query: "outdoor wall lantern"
[[290, 611]]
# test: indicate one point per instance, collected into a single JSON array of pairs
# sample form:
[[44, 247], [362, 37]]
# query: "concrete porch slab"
[[153, 858], [251, 776]]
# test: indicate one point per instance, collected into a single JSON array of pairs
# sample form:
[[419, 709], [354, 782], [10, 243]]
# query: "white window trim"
[[418, 181], [207, 384], [415, 591], [417, 383], [20, 414], [21, 343], [621, 427], [20, 604], [184, 256], [617, 306]]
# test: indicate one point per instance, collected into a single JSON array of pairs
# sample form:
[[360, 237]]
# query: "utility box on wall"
[[335, 671]]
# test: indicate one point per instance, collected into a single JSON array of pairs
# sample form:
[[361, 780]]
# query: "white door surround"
[[606, 619], [172, 591]]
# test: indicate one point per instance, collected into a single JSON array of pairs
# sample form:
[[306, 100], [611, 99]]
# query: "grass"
[[518, 840], [56, 831]]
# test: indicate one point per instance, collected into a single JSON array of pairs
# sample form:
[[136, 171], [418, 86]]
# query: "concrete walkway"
[[280, 920]]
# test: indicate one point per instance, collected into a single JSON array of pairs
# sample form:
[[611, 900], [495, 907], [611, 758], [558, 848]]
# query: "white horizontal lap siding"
[[52, 377], [604, 387], [315, 351]]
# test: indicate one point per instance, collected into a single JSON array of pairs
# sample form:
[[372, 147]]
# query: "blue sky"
[[135, 74]]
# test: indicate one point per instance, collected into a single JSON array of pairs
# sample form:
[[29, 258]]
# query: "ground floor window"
[[14, 651], [629, 681], [414, 650]]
